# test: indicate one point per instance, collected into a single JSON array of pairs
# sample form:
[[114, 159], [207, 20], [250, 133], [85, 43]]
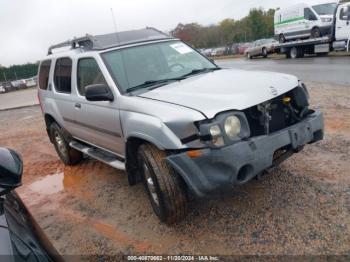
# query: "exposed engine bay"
[[279, 113]]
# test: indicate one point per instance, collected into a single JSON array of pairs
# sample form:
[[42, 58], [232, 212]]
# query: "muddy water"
[[301, 208]]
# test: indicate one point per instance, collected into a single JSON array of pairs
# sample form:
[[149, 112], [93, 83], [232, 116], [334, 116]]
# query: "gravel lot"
[[301, 208]]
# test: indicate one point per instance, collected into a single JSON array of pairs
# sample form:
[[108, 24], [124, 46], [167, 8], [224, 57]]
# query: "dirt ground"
[[301, 208]]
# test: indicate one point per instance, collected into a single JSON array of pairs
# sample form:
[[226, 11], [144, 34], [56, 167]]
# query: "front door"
[[99, 122], [310, 21], [343, 22]]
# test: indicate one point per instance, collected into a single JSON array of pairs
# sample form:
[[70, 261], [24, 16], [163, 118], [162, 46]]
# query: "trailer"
[[338, 40]]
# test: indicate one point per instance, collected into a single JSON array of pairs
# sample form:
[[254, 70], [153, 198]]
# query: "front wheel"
[[165, 188], [281, 39], [68, 155], [315, 32], [264, 52]]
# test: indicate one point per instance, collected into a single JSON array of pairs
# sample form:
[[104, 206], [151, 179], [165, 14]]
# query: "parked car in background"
[[262, 47], [232, 49], [2, 89], [242, 47], [21, 239], [304, 21], [31, 82], [207, 52], [8, 86], [219, 51]]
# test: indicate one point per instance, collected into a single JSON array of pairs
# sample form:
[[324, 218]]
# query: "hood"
[[330, 17], [223, 90]]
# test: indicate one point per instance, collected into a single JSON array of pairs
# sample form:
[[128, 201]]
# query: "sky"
[[28, 28]]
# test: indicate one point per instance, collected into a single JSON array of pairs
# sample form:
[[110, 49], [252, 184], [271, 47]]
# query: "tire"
[[249, 56], [281, 39], [295, 52], [164, 187], [68, 155], [264, 52], [315, 32]]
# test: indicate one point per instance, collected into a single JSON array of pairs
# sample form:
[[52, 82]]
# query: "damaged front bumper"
[[217, 171]]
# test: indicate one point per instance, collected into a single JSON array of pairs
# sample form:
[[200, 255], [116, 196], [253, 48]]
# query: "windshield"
[[134, 66], [325, 9]]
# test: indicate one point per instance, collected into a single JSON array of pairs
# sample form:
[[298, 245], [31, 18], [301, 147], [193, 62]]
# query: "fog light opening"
[[244, 173]]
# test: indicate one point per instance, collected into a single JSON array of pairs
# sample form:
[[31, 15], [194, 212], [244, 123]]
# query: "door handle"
[[77, 105]]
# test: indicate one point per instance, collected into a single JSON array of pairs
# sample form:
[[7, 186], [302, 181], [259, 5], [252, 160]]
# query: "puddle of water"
[[79, 180], [51, 184]]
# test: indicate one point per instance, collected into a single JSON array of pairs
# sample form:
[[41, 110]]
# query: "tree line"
[[17, 72], [256, 25]]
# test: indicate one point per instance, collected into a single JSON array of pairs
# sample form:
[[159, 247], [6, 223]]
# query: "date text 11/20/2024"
[[172, 258]]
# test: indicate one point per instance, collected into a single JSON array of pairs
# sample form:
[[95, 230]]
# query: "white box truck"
[[295, 43]]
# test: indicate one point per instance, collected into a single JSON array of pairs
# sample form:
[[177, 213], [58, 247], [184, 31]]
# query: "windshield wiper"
[[203, 70], [154, 83]]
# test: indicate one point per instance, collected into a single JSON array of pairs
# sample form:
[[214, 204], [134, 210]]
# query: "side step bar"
[[99, 154]]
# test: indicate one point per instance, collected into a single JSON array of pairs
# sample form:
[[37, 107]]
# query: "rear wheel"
[[249, 56], [165, 188], [296, 52], [68, 155]]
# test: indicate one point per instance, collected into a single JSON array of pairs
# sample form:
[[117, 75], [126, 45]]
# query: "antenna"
[[115, 25]]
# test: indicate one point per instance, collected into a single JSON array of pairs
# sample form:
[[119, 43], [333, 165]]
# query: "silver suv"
[[150, 104]]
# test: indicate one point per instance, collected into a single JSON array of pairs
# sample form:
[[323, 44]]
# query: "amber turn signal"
[[194, 153], [286, 100]]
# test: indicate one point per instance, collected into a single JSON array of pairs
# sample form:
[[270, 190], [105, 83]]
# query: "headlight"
[[215, 131], [216, 135], [232, 126], [225, 129], [326, 19]]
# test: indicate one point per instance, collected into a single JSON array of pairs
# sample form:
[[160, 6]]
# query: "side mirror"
[[98, 92], [11, 169]]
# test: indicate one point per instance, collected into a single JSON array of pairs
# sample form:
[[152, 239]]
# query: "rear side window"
[[88, 73], [63, 75], [44, 72]]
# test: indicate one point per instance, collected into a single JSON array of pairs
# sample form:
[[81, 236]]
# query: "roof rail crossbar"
[[85, 41], [101, 42]]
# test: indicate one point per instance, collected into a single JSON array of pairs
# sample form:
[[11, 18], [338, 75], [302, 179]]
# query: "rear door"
[[343, 22], [97, 123], [62, 93]]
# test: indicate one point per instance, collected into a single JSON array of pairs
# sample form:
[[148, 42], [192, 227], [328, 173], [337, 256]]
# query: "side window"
[[63, 75], [345, 13], [309, 15], [88, 73], [44, 72]]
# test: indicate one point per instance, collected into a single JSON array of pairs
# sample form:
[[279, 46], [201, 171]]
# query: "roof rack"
[[101, 42]]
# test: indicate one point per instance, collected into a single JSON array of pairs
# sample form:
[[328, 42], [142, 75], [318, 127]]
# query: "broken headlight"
[[224, 129]]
